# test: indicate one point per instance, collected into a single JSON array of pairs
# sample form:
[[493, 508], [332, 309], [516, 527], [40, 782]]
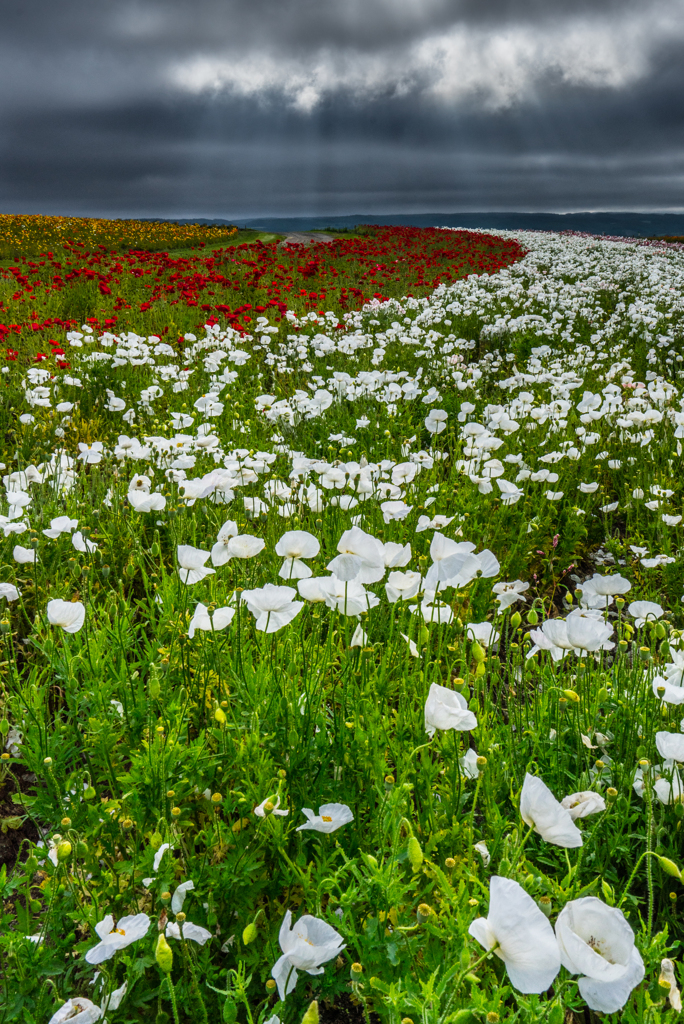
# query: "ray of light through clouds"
[[218, 108]]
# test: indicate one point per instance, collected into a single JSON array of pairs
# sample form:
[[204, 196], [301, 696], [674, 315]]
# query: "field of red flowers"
[[166, 294]]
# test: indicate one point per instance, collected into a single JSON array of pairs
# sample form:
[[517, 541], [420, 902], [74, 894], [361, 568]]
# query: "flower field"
[[342, 660]]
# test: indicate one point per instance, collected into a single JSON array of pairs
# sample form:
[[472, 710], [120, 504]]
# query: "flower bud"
[[415, 854], [220, 716], [250, 933], [155, 549], [32, 864], [571, 695], [660, 630], [63, 850], [477, 652], [155, 840], [311, 1015], [532, 617], [89, 793], [669, 867], [163, 954], [154, 688], [516, 619], [602, 695]]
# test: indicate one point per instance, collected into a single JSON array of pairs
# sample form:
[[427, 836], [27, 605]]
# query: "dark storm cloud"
[[230, 109]]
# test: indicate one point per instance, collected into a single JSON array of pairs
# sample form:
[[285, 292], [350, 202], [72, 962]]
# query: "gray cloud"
[[233, 109]]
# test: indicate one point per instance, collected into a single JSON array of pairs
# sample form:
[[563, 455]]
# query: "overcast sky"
[[238, 108]]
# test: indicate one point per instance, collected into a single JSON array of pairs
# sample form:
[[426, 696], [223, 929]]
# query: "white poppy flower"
[[670, 745], [413, 650], [368, 549], [243, 546], [330, 817], [435, 421], [509, 593], [346, 567], [179, 895], [596, 941], [468, 764], [483, 851], [214, 622], [293, 546], [395, 510], [82, 544], [77, 1011], [191, 564], [360, 638], [219, 553], [195, 932], [9, 591], [24, 556], [483, 632], [70, 615], [263, 809], [539, 808], [142, 502], [610, 585], [580, 805], [402, 585], [519, 933], [128, 930], [159, 854], [447, 709], [272, 606], [587, 631], [306, 946], [396, 555], [644, 611], [510, 494], [349, 598]]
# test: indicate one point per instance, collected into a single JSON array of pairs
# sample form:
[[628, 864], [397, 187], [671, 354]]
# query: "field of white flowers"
[[343, 662]]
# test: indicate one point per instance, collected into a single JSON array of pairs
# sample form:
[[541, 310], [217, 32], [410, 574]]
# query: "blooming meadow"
[[342, 656]]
